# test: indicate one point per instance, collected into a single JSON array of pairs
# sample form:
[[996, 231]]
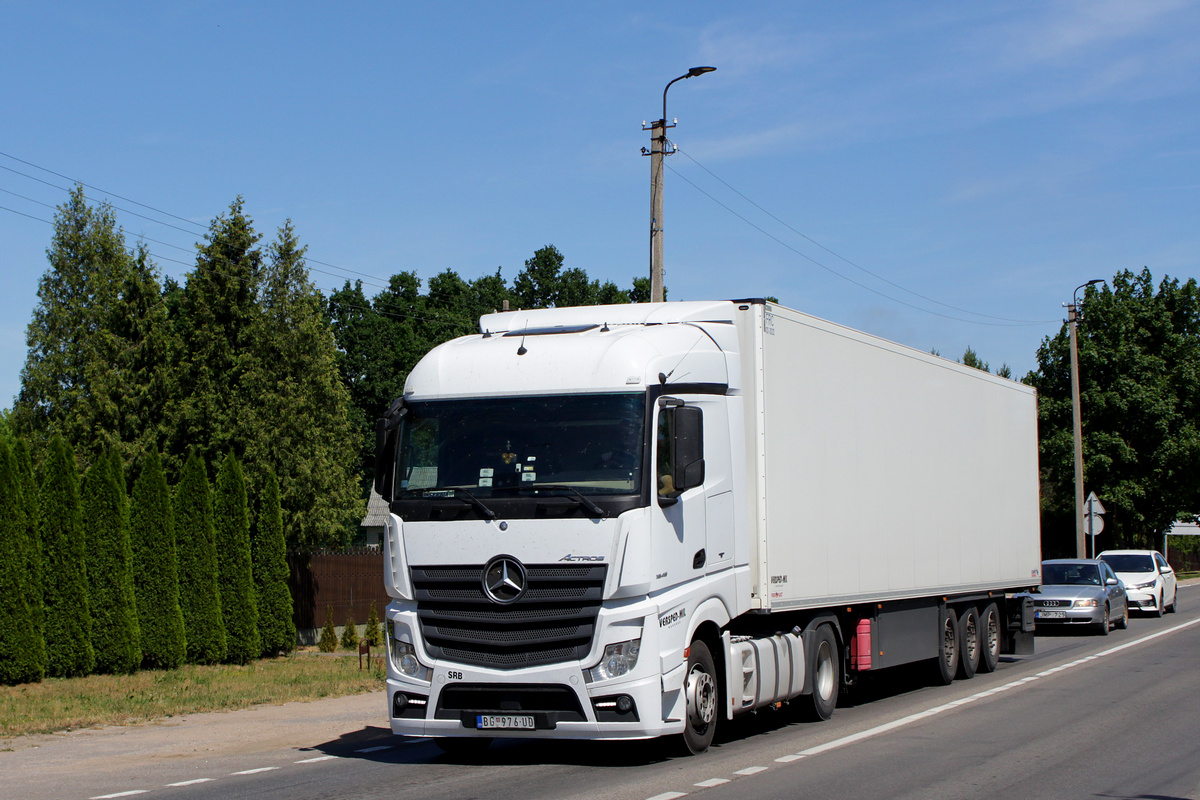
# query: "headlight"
[[619, 659], [1086, 603], [404, 655], [1149, 585]]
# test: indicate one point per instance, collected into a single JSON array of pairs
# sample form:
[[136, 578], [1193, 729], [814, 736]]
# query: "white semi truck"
[[623, 522]]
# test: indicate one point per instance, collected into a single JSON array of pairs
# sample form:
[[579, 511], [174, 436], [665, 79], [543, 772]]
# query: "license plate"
[[1051, 615], [519, 722]]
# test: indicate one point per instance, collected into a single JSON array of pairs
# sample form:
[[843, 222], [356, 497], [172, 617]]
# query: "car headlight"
[[1149, 585], [404, 655], [619, 659], [1086, 603]]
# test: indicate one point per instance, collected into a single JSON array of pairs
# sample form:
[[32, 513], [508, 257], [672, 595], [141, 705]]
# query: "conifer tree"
[[115, 636], [299, 422], [231, 521], [216, 323], [275, 623], [199, 595], [22, 656], [68, 621], [156, 568], [27, 485], [98, 340]]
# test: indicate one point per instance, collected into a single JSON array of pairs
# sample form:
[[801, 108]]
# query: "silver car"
[[1077, 591]]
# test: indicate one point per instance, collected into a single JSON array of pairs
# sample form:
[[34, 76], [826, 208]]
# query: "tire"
[[968, 643], [1158, 607], [703, 695], [1106, 623], [463, 746], [1174, 600], [825, 668], [989, 638], [946, 664], [1123, 620]]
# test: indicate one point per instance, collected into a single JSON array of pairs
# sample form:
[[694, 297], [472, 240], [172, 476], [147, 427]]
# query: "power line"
[[213, 271], [1011, 322], [377, 281]]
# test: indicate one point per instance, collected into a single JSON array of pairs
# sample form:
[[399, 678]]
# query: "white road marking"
[[900, 723], [254, 771], [375, 749], [668, 796], [313, 760], [190, 783], [711, 782], [750, 771], [788, 759], [120, 794]]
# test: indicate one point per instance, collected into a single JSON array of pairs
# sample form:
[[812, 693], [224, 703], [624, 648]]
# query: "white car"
[[1148, 578]]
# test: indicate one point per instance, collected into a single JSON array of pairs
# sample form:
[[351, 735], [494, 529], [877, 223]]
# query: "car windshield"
[[494, 447], [1130, 562], [1070, 575]]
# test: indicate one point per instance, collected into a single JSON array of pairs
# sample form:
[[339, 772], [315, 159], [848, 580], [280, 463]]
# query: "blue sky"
[[968, 165]]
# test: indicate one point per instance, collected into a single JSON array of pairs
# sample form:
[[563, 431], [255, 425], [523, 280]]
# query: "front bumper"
[[1143, 600], [1069, 616]]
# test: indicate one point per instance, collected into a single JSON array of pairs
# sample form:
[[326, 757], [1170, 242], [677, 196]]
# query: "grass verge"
[[58, 704]]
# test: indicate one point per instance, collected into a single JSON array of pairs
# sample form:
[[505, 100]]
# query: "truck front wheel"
[[702, 693], [824, 666]]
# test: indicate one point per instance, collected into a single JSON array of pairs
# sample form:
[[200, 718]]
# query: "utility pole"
[[659, 148], [1073, 317]]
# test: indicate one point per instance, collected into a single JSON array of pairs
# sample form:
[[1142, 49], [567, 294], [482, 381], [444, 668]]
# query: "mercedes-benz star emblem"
[[504, 580]]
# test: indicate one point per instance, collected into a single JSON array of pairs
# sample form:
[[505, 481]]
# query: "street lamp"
[[658, 142], [1073, 318]]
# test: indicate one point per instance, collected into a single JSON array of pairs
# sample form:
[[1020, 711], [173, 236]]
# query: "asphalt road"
[[1087, 716]]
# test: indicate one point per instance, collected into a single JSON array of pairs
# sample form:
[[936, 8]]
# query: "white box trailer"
[[619, 522]]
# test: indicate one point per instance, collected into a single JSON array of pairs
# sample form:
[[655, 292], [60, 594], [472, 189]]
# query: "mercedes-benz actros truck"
[[634, 521]]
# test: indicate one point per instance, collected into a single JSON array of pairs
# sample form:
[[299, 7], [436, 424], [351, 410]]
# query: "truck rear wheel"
[[825, 668], [968, 643], [946, 664], [702, 694], [989, 638]]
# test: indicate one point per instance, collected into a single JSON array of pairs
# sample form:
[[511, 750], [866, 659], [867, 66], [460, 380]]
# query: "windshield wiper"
[[579, 497], [456, 493]]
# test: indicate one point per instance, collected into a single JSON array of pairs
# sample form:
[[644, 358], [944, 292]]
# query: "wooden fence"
[[348, 581]]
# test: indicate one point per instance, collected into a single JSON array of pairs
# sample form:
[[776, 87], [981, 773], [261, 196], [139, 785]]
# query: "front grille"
[[548, 705], [1052, 603], [552, 622]]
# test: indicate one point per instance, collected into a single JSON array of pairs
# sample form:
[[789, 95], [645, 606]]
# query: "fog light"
[[624, 703]]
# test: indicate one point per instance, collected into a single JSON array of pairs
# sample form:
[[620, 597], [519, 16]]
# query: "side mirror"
[[385, 448], [1111, 582]]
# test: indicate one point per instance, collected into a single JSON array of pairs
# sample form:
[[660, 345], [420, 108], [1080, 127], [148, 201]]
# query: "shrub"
[[328, 641], [374, 633], [350, 633]]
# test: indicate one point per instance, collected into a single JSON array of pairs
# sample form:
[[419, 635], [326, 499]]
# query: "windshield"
[[497, 447], [1130, 562], [1071, 574]]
